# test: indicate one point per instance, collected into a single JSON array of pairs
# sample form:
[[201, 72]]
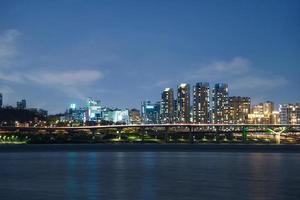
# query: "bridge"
[[169, 131]]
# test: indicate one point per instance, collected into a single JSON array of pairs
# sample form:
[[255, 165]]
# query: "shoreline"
[[263, 148]]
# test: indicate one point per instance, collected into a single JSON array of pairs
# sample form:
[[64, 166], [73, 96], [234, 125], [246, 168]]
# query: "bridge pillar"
[[93, 131], [277, 138], [245, 134], [217, 136], [191, 139], [142, 130], [166, 134], [119, 130], [277, 134]]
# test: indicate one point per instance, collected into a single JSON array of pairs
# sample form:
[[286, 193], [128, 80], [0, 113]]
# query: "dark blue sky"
[[53, 53]]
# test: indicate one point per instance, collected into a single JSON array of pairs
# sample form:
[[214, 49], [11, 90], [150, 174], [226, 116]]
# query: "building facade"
[[201, 103], [93, 110], [289, 113], [238, 109], [220, 103], [167, 106], [116, 115], [134, 116], [183, 103], [76, 114], [262, 113], [150, 112], [21, 104]]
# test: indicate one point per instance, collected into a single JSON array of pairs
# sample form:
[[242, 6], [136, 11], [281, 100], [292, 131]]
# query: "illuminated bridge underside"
[[271, 128], [159, 125], [168, 132]]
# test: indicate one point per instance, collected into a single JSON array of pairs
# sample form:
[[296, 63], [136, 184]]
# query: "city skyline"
[[204, 90], [55, 53], [199, 104]]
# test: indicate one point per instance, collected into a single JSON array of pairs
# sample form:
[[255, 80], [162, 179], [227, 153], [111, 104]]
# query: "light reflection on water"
[[149, 175]]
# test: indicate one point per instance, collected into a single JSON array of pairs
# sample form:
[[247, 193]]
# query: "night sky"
[[53, 53]]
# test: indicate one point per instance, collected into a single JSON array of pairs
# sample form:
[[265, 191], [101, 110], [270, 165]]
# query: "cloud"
[[66, 78], [239, 74], [8, 49], [218, 69], [253, 83], [70, 82], [15, 77], [58, 79], [5, 90]]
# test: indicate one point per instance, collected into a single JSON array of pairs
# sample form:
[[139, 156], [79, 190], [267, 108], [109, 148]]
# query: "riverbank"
[[149, 148]]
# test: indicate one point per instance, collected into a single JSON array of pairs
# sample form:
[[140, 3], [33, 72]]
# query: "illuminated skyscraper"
[[167, 106], [239, 108], [183, 103], [220, 103], [201, 103], [93, 109], [289, 113]]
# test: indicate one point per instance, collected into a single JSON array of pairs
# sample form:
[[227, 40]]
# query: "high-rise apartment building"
[[289, 113], [201, 103], [183, 103], [167, 106], [220, 103], [238, 109]]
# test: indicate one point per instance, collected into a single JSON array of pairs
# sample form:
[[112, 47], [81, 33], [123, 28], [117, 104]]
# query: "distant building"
[[93, 110], [40, 112], [76, 114], [262, 113], [134, 116], [183, 103], [239, 109], [150, 112], [220, 103], [115, 115], [201, 103], [167, 106], [275, 117], [289, 113], [21, 104], [1, 100]]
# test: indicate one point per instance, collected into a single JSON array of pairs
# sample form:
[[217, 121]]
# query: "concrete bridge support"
[[277, 134], [142, 131], [245, 134], [166, 135], [119, 133], [191, 139]]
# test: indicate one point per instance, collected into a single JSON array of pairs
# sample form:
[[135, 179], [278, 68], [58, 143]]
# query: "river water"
[[149, 175]]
